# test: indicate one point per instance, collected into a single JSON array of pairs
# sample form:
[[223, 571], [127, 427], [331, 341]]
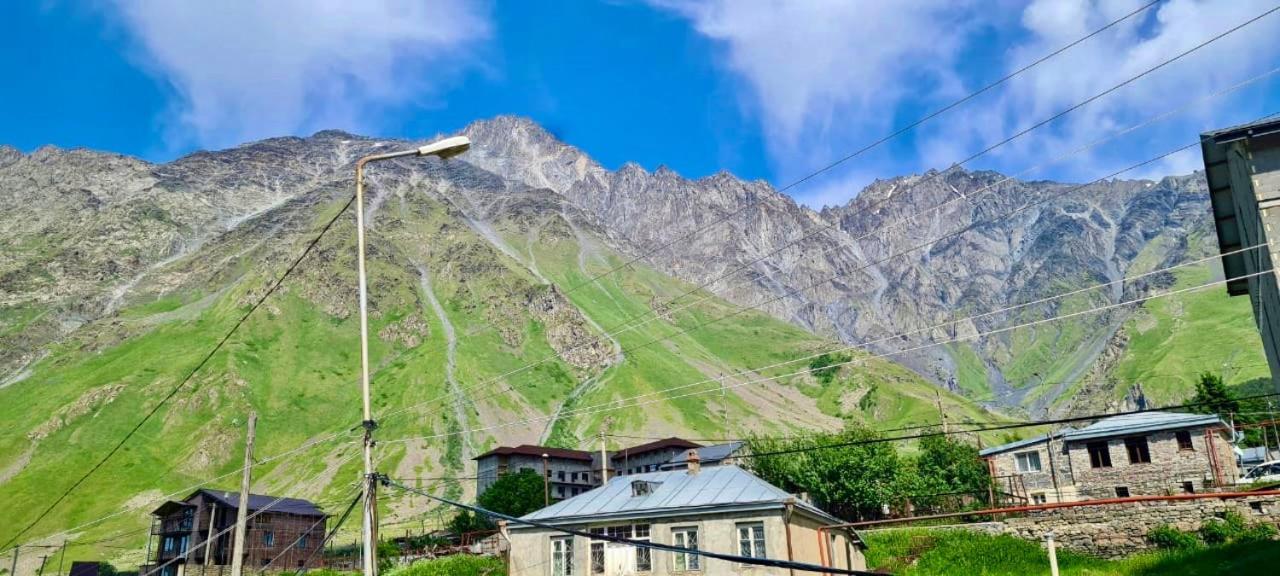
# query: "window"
[[1184, 440], [597, 553], [1027, 461], [268, 539], [302, 542], [1188, 487], [1038, 498], [560, 475], [1138, 451], [168, 543], [643, 487], [562, 556], [560, 491], [1099, 454], [751, 540], [1122, 491], [686, 537], [644, 556], [182, 544]]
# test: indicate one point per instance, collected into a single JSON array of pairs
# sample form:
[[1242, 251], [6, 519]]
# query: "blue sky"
[[763, 89]]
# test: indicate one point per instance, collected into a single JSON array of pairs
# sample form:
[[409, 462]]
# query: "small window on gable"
[[1122, 491], [1184, 440]]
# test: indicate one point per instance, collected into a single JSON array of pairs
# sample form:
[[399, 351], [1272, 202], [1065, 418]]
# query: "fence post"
[[1053, 554]]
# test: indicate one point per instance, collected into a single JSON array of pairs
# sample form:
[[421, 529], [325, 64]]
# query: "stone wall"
[[1115, 530]]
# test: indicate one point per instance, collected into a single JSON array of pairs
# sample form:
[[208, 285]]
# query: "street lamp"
[[446, 148]]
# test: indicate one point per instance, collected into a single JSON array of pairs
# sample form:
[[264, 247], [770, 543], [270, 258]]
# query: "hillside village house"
[[179, 527], [572, 472], [1151, 453], [721, 509]]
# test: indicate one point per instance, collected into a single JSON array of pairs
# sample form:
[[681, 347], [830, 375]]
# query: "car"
[[1264, 472]]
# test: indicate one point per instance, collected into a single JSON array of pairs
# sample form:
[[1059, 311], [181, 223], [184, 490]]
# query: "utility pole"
[[604, 461], [546, 481], [62, 556], [40, 572], [242, 511], [13, 569], [208, 545], [942, 416], [1053, 554]]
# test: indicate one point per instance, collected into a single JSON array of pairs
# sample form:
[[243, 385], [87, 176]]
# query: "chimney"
[[695, 463]]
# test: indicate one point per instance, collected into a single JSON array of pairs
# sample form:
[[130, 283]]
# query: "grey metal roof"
[[713, 453], [1015, 445], [713, 489], [260, 502], [1142, 422]]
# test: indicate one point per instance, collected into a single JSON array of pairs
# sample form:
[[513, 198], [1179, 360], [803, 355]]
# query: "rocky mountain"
[[502, 309]]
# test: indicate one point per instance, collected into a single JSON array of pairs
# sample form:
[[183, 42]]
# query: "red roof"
[[672, 442], [537, 451]]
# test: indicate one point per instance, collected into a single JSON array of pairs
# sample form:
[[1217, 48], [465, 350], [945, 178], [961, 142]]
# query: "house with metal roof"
[[722, 509], [1147, 453], [713, 455], [283, 534]]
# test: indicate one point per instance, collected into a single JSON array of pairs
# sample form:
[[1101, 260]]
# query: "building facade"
[[651, 456], [723, 509], [569, 472], [1145, 454], [284, 534]]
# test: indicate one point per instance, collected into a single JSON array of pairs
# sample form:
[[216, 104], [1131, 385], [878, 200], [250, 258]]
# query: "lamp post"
[[446, 148]]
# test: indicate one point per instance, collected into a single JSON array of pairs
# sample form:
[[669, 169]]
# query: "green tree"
[[852, 479], [1213, 396], [947, 465], [826, 366], [512, 494]]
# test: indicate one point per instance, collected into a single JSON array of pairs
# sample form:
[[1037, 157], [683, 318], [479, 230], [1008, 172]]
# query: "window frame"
[[692, 562], [1138, 446], [1017, 462], [268, 538], [562, 559], [1189, 445], [1099, 459], [757, 547]]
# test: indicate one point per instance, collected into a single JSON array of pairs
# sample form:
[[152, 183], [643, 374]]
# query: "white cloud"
[[824, 75], [1108, 60], [245, 69], [825, 78]]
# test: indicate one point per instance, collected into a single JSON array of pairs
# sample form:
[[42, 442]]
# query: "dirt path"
[[450, 364]]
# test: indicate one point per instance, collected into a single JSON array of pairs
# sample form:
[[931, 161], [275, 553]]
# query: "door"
[[619, 559]]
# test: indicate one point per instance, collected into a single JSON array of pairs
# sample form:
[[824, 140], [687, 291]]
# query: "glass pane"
[[643, 562], [642, 530]]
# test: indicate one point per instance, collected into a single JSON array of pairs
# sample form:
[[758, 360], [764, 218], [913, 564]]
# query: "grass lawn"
[[957, 552]]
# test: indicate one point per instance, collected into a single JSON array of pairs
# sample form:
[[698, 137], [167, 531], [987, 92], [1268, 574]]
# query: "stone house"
[[1150, 453], [284, 533], [722, 509]]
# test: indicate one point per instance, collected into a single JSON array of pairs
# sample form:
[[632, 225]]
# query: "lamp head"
[[446, 148]]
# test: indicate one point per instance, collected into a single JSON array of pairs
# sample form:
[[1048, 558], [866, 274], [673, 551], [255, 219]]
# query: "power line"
[[620, 406], [769, 562], [655, 314]]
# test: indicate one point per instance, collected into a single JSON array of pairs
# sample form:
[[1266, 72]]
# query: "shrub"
[[1167, 537], [1227, 529], [456, 565], [1259, 532]]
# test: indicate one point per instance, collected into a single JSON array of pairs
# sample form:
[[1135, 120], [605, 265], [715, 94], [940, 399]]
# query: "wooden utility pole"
[[941, 415], [62, 556], [40, 572], [13, 570], [242, 511], [546, 481], [604, 461], [208, 545]]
